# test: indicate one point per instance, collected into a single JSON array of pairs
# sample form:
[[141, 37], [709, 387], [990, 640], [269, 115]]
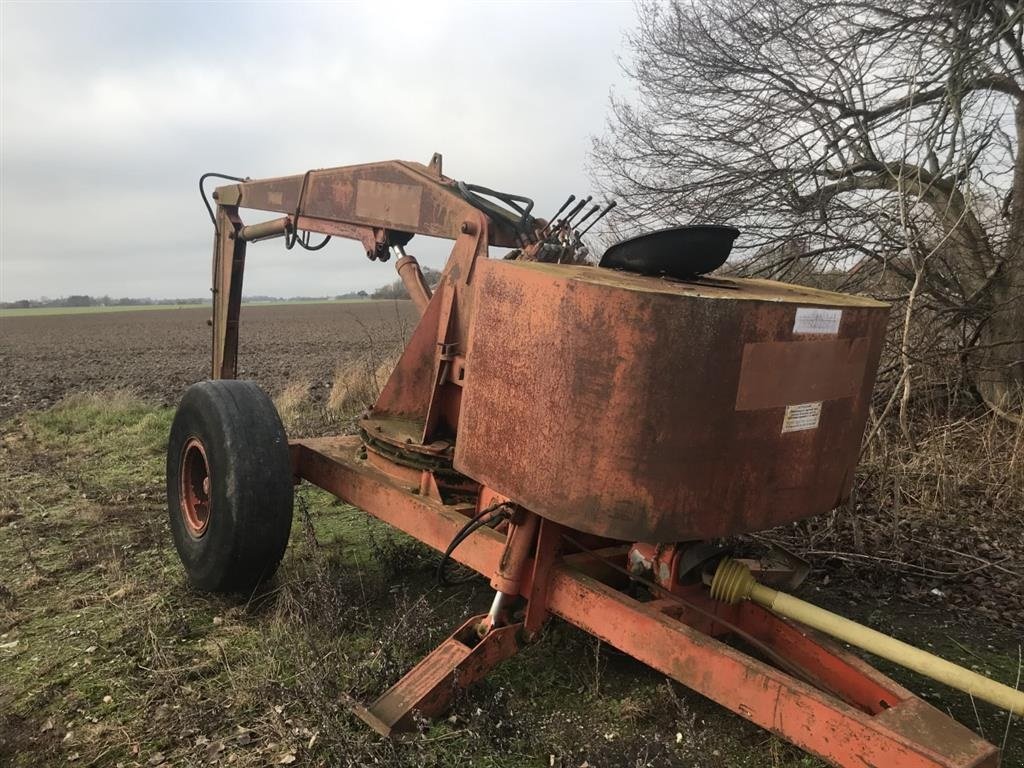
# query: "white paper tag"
[[814, 320], [803, 416]]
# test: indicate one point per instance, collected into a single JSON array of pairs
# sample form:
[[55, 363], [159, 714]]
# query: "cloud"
[[111, 112]]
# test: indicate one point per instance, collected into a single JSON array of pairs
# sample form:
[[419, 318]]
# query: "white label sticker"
[[813, 320], [803, 416]]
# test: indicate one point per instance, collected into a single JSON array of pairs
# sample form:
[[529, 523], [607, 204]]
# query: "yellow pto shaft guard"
[[734, 582]]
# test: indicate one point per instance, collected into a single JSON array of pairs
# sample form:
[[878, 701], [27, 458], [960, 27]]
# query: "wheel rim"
[[195, 487]]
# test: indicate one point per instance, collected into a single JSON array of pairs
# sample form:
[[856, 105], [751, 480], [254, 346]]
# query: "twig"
[[307, 521], [977, 717], [987, 563], [920, 568], [885, 411], [227, 666], [964, 648], [442, 737]]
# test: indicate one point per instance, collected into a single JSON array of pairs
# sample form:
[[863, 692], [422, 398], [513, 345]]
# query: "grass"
[[108, 658], [44, 311]]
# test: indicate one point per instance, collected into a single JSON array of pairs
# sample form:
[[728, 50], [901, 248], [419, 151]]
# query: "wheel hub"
[[195, 487]]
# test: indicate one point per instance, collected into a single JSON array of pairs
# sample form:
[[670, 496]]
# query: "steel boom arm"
[[379, 204]]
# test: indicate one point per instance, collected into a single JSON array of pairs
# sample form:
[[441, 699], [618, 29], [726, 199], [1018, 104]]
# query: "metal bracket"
[[430, 686]]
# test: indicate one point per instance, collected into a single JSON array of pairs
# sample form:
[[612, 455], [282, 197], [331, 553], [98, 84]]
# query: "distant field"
[[41, 311], [158, 353]]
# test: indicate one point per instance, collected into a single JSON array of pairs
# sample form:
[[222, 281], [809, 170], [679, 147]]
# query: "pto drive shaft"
[[734, 582]]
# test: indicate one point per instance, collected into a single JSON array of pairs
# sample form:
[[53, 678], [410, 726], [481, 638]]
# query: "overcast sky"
[[111, 112]]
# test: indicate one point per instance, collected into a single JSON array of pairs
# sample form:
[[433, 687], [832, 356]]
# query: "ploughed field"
[[157, 353]]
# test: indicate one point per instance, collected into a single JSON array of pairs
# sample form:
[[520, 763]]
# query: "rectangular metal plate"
[[778, 373], [397, 204]]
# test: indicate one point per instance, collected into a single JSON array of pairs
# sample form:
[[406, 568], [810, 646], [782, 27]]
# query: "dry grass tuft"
[[358, 384], [291, 403], [937, 520], [359, 381]]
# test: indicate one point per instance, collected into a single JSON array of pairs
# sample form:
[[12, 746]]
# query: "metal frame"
[[838, 708], [814, 694], [381, 205]]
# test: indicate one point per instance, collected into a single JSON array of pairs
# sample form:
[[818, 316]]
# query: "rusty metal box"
[[648, 409]]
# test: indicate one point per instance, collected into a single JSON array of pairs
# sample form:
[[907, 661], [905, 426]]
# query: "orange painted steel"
[[694, 409], [195, 487], [807, 716], [378, 204], [415, 284], [603, 408], [331, 464], [652, 410], [549, 542], [457, 663], [519, 542], [852, 715]]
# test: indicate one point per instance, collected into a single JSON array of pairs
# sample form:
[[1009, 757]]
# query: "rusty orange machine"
[[569, 431]]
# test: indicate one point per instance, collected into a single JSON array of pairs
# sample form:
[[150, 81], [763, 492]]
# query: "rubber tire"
[[251, 491]]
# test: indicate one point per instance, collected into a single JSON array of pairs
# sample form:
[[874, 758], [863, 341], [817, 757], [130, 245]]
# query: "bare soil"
[[158, 353]]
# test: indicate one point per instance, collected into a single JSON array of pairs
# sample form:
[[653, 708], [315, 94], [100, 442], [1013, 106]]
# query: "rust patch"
[[921, 723], [779, 373], [343, 191], [398, 204]]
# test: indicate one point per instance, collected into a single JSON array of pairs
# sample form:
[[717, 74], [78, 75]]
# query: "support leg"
[[228, 266], [431, 685], [549, 540]]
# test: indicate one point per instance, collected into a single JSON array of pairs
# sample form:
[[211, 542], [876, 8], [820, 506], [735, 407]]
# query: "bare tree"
[[835, 133]]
